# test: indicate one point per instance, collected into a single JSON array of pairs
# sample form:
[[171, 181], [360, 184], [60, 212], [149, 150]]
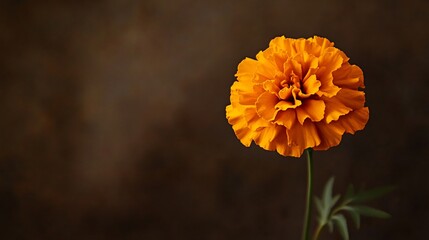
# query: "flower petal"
[[246, 93], [246, 70], [331, 60], [309, 63], [286, 118], [266, 136], [265, 106], [330, 135], [271, 86], [323, 43], [311, 85], [313, 109], [349, 76], [351, 98], [283, 105], [295, 93], [334, 109], [254, 122], [284, 149], [304, 136], [239, 125], [354, 121], [285, 93], [328, 63], [296, 67], [265, 69], [284, 44]]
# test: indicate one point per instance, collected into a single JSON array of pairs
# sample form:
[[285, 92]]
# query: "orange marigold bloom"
[[297, 94]]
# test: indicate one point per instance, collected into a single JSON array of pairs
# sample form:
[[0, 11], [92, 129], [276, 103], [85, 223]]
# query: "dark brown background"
[[113, 126]]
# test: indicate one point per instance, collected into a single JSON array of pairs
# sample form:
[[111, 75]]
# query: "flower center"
[[294, 80]]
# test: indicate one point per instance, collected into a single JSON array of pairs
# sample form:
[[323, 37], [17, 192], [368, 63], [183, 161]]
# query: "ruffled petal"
[[323, 43], [296, 67], [254, 122], [351, 98], [278, 44], [247, 93], [295, 151], [239, 125], [354, 121], [295, 94], [309, 63], [286, 118], [331, 60], [266, 136], [285, 93], [349, 76], [246, 70], [265, 69], [313, 109], [330, 135], [304, 136], [283, 105], [311, 85], [328, 63], [334, 109], [272, 87], [284, 44], [265, 106], [284, 149], [301, 45]]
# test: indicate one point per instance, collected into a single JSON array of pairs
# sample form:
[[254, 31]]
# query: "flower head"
[[297, 94]]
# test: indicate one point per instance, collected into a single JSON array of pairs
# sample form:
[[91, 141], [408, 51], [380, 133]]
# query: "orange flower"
[[297, 94]]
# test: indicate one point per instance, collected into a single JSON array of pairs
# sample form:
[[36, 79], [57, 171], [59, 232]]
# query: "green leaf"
[[327, 192], [371, 212], [334, 200], [319, 205], [354, 215], [325, 204], [371, 194], [356, 218], [330, 211], [341, 224], [330, 226]]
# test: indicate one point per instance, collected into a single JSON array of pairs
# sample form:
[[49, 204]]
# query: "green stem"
[[307, 218], [318, 230]]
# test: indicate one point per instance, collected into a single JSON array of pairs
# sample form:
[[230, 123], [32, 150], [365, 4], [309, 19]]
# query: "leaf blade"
[[355, 216], [327, 191], [371, 212], [341, 224], [371, 194]]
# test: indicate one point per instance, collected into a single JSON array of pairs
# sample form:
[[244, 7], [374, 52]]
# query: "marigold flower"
[[297, 94]]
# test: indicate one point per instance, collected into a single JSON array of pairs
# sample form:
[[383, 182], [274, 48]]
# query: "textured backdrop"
[[113, 119]]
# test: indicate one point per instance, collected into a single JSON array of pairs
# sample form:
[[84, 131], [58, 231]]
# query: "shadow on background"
[[113, 123]]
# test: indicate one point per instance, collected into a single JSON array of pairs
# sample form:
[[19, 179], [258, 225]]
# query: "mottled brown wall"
[[112, 119]]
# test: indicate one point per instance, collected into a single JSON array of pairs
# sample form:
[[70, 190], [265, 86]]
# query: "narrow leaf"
[[330, 226], [334, 200], [353, 214], [327, 192], [371, 212], [371, 194], [341, 224], [318, 204], [326, 201]]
